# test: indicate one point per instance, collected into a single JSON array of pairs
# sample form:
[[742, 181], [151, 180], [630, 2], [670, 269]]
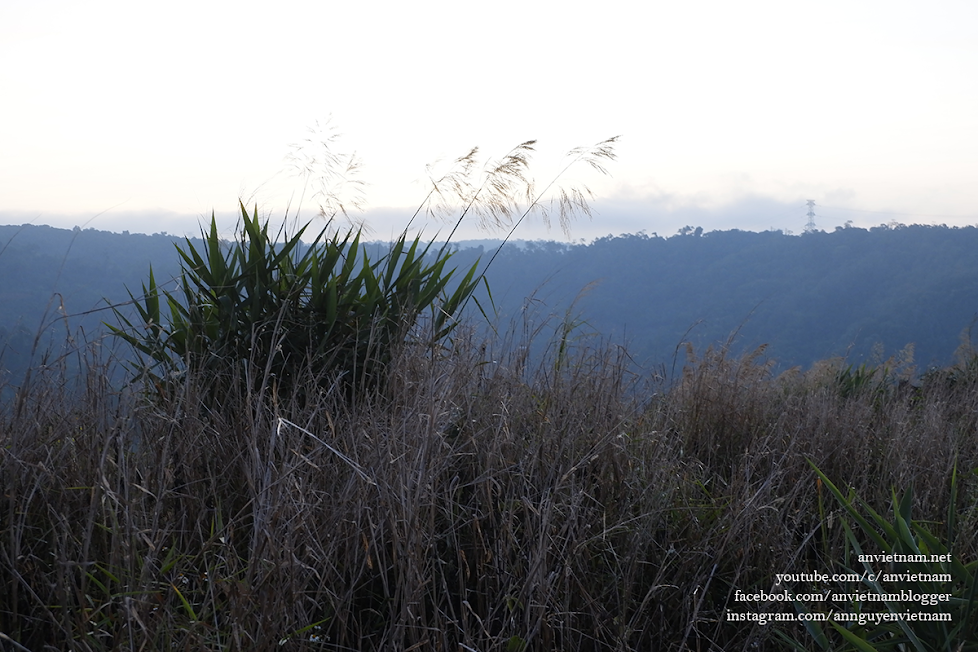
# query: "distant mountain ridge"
[[808, 297]]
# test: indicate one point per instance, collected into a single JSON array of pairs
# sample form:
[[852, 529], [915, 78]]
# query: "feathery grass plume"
[[575, 199], [502, 194], [334, 177], [491, 196]]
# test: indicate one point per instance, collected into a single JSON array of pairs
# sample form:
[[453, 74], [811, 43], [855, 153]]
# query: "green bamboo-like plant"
[[854, 381], [903, 536], [273, 309], [285, 308]]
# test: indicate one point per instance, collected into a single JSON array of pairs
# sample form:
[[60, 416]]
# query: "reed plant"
[[275, 309], [289, 307]]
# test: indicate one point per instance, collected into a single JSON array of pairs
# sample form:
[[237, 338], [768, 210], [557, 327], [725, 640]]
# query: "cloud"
[[659, 213]]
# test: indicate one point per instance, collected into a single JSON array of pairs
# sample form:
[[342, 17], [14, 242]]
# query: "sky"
[[148, 117]]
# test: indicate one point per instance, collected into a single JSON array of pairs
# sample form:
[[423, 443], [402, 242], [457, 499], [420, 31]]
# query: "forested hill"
[[48, 273], [809, 297]]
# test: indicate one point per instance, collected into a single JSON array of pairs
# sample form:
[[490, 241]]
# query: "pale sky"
[[144, 117]]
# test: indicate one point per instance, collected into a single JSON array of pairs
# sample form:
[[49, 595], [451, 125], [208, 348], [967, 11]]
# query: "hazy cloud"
[[663, 214]]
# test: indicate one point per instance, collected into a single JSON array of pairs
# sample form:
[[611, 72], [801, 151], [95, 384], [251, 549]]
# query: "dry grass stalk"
[[471, 504]]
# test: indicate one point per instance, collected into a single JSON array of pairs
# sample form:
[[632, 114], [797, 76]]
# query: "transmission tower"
[[810, 227]]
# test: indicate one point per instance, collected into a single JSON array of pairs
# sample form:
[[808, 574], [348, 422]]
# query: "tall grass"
[[475, 503]]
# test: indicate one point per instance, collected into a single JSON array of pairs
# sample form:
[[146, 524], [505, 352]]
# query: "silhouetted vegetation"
[[305, 317], [476, 502]]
